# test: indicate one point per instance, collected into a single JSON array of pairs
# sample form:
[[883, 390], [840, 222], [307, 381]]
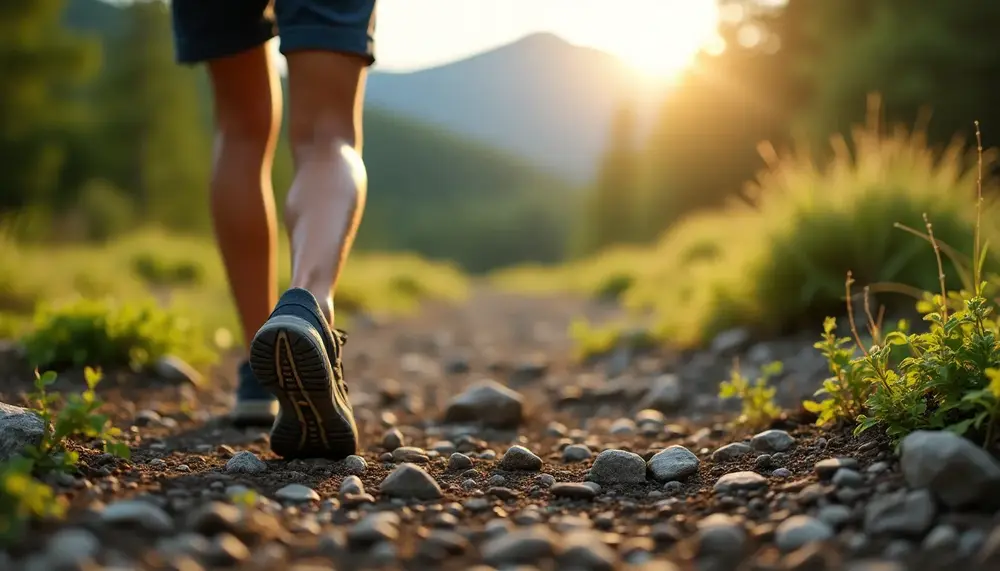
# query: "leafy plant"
[[756, 398], [88, 332], [23, 498], [77, 417], [950, 376]]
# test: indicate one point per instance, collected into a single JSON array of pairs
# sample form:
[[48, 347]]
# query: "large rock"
[[665, 394], [673, 463], [409, 481], [618, 467], [19, 428], [956, 471], [903, 513], [488, 403]]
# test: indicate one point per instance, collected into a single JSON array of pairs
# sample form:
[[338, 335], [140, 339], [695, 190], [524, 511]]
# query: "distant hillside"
[[539, 97], [431, 191]]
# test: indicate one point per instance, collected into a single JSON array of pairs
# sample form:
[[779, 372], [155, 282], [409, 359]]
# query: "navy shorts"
[[210, 29]]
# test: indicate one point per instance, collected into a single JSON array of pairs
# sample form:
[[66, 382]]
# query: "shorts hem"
[[192, 52], [328, 38]]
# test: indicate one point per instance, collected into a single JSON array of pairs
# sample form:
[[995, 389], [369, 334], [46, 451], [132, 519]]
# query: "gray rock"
[[459, 461], [902, 512], [673, 463], [618, 467], [245, 462], [800, 530], [782, 473], [393, 439], [375, 527], [848, 478], [665, 394], [519, 547], [835, 515], [72, 546], [772, 441], [943, 536], [354, 465], [572, 490], [410, 481], [972, 540], [519, 458], [410, 454], [19, 428], [576, 453], [827, 467], [487, 402], [956, 471], [443, 447], [138, 513], [297, 493], [739, 481], [721, 535], [352, 485], [586, 550], [730, 340], [731, 452], [623, 427]]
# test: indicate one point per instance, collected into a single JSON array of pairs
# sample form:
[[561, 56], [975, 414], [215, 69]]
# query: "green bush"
[[779, 263], [945, 378], [155, 270], [110, 334]]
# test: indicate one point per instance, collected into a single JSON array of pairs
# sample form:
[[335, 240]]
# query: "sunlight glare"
[[662, 37]]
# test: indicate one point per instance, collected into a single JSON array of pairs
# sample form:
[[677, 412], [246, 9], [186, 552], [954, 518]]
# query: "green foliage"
[[949, 376], [590, 341], [847, 389], [155, 270], [109, 333], [42, 63], [77, 417], [22, 498], [756, 398]]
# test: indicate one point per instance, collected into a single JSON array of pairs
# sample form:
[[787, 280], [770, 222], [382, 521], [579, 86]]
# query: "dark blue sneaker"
[[255, 406], [296, 356]]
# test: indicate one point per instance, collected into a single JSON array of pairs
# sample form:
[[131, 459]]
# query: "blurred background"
[[713, 164]]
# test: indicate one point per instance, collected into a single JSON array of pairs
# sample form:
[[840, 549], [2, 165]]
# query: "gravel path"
[[485, 446]]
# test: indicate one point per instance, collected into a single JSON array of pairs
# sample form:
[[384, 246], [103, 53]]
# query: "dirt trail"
[[458, 498]]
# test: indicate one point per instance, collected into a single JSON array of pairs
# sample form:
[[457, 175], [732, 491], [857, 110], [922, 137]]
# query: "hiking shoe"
[[255, 406], [296, 356]]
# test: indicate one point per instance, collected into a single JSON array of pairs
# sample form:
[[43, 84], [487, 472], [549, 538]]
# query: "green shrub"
[[945, 378], [22, 499], [155, 270], [110, 334], [757, 406]]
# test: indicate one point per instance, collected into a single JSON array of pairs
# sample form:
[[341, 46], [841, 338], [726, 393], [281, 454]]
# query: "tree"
[[613, 210], [156, 139], [41, 64]]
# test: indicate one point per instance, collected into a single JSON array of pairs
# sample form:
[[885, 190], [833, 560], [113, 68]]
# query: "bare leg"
[[327, 198], [247, 115]]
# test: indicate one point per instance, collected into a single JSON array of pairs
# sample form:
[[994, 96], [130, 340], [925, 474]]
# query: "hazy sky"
[[420, 33], [652, 34]]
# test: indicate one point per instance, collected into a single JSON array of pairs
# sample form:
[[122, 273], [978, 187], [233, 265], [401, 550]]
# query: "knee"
[[322, 135]]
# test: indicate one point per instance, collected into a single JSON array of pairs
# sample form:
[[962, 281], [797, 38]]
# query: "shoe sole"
[[288, 358]]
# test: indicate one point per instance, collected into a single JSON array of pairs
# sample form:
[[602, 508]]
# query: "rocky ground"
[[485, 446]]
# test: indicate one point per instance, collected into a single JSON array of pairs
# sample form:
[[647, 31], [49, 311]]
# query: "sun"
[[662, 37]]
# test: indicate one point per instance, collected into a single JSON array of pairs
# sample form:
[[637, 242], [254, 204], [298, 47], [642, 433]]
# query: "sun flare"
[[662, 37]]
